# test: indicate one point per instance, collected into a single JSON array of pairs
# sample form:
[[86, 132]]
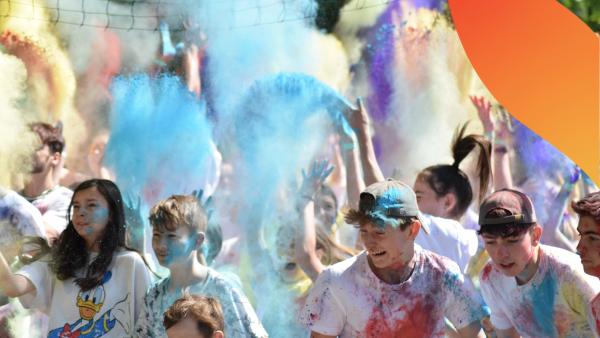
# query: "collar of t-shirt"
[[42, 195], [538, 276], [193, 288], [393, 287]]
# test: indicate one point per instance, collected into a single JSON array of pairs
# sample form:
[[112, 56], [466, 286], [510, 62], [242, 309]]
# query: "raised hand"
[[358, 118], [133, 211], [484, 110], [198, 194], [572, 174], [314, 179]]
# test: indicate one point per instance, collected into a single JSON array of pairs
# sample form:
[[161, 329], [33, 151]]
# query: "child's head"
[[195, 316], [179, 223], [96, 222], [388, 220], [588, 209], [509, 230], [445, 190], [326, 206]]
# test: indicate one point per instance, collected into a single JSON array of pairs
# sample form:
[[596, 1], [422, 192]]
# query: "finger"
[[208, 200], [200, 193], [304, 174], [321, 167], [139, 204], [209, 214], [312, 171], [194, 193], [359, 103], [328, 172]]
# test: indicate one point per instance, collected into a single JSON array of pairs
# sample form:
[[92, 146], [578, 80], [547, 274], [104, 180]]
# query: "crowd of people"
[[348, 253]]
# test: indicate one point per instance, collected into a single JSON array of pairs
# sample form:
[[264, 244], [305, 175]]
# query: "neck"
[[38, 184], [530, 268], [397, 273], [186, 274]]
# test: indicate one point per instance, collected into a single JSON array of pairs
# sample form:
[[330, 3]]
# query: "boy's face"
[[589, 245], [175, 246], [390, 247], [512, 255]]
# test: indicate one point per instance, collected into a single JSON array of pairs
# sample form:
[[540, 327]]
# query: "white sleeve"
[[499, 319], [324, 311], [43, 278], [142, 282], [464, 305], [56, 215]]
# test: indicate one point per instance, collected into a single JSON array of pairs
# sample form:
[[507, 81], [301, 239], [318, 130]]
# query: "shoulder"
[[61, 195], [156, 289], [441, 224], [435, 265], [558, 257], [489, 273], [129, 259], [347, 267]]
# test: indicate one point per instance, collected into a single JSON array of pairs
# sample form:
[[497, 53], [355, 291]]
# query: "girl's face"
[[90, 216], [325, 210], [428, 201], [290, 270]]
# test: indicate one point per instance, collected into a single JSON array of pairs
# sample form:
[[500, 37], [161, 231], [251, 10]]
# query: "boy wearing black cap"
[[533, 290], [394, 288]]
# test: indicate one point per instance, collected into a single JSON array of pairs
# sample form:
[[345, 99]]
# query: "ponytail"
[[445, 179]]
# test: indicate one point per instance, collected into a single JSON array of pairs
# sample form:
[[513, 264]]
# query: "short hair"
[[177, 211], [205, 311], [359, 218], [49, 135], [588, 206], [503, 230]]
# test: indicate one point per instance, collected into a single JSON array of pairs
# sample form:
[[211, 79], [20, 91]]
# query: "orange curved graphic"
[[541, 62]]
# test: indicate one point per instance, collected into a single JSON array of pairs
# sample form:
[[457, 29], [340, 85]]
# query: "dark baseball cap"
[[515, 202], [391, 198]]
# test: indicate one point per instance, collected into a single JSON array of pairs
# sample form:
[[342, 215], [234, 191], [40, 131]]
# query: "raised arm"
[[501, 171], [552, 234], [354, 181], [305, 241], [359, 121], [13, 285]]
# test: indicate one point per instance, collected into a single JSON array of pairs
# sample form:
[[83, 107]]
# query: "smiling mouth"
[[290, 266], [378, 253], [506, 266], [162, 255]]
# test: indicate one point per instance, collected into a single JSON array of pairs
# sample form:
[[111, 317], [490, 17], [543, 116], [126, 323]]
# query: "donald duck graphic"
[[90, 302]]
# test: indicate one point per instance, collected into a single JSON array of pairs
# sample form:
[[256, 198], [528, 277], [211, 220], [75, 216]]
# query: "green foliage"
[[587, 10]]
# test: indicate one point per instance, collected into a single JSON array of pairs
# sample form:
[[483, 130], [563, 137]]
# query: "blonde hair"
[[177, 211]]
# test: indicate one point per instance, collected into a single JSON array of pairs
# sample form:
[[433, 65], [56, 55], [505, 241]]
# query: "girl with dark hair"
[[89, 281], [444, 190]]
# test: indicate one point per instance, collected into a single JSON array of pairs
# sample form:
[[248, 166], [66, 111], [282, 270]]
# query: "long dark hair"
[[445, 179], [68, 252]]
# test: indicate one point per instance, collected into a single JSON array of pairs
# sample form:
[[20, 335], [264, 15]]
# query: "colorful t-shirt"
[[349, 300], [107, 310], [240, 319], [552, 304], [19, 218], [593, 313], [449, 239], [54, 205]]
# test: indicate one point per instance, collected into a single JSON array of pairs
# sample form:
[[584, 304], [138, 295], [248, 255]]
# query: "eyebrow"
[[588, 233]]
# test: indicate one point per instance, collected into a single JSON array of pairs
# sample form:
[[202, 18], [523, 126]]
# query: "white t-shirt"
[[593, 313], [349, 300], [240, 319], [449, 239], [552, 304], [19, 218], [109, 310], [54, 205]]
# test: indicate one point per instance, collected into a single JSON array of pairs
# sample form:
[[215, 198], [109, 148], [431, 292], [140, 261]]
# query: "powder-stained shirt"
[[19, 218], [240, 318], [593, 314], [552, 304], [54, 204], [349, 300], [449, 239], [108, 310]]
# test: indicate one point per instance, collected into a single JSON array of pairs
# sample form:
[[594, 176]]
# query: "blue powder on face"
[[160, 136]]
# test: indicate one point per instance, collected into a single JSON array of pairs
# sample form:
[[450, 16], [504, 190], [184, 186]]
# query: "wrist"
[[489, 134]]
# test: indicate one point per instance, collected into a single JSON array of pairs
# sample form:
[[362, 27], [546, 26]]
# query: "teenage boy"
[[42, 191], [393, 288], [533, 290], [194, 316], [588, 209], [179, 223]]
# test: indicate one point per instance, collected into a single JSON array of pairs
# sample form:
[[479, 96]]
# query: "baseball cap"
[[391, 198], [515, 202]]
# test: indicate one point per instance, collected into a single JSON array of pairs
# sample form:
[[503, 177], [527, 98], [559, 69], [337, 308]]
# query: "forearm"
[[354, 182], [472, 330], [13, 285], [306, 241], [502, 172], [552, 235], [370, 167], [337, 175]]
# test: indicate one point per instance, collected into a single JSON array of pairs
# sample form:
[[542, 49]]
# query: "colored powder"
[[160, 142], [545, 294]]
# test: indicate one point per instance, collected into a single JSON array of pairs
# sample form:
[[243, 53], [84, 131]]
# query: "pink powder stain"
[[417, 323], [596, 319], [486, 272]]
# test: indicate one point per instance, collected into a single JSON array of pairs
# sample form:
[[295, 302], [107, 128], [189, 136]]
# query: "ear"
[[449, 202], [199, 241], [55, 159], [536, 235], [414, 229]]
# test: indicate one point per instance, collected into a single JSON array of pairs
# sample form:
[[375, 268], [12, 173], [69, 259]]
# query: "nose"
[[161, 243], [502, 252], [369, 241]]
